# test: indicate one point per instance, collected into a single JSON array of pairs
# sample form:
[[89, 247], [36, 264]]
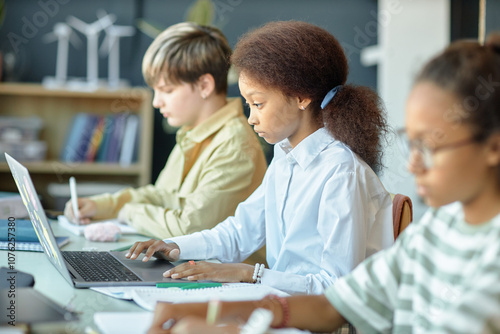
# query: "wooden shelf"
[[80, 168], [56, 108], [32, 89]]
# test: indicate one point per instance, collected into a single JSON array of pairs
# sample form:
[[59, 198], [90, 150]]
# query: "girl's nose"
[[252, 118]]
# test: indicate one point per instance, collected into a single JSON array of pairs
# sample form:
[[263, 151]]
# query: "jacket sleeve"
[[234, 239], [226, 180], [345, 218]]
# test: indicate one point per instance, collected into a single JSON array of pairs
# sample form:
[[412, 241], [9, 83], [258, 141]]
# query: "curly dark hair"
[[304, 60]]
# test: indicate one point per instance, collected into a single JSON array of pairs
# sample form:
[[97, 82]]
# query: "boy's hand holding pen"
[[79, 210]]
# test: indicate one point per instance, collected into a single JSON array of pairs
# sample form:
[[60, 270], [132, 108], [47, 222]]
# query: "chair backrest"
[[402, 213]]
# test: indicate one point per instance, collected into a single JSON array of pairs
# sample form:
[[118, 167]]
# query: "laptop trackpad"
[[151, 271]]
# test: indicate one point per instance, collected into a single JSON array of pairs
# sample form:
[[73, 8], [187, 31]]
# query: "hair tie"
[[329, 96]]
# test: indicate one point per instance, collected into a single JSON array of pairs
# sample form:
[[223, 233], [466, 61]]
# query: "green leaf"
[[201, 12]]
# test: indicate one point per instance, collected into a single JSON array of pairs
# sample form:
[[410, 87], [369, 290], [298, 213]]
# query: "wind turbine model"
[[64, 35], [111, 45], [92, 31]]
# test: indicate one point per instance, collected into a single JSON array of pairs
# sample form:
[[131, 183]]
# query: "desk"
[[84, 301]]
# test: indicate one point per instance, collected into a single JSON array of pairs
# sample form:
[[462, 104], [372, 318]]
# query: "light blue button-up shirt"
[[320, 210]]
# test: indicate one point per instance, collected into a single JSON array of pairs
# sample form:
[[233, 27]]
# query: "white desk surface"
[[84, 301]]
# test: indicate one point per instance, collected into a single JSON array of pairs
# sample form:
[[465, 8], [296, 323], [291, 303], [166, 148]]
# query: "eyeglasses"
[[425, 154]]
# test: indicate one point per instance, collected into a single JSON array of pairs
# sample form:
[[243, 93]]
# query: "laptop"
[[85, 269]]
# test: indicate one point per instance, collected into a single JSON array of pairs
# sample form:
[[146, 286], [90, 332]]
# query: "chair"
[[402, 213]]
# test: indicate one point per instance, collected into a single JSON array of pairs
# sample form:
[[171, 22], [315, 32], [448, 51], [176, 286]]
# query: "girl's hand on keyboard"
[[218, 272], [156, 248]]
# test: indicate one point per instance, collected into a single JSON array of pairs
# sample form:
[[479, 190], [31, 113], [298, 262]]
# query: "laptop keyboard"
[[99, 267]]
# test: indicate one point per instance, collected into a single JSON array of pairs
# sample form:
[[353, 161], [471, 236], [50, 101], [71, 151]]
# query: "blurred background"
[[386, 41]]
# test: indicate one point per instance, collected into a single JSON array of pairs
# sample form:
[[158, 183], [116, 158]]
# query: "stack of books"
[[19, 235]]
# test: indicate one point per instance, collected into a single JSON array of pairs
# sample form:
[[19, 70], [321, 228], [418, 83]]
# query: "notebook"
[[80, 229], [139, 323], [123, 322], [106, 268], [148, 297], [30, 246], [19, 234]]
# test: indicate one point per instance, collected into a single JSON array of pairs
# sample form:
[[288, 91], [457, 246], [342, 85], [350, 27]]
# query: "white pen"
[[74, 198]]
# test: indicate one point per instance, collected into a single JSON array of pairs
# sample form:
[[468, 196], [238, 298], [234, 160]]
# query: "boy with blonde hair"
[[217, 161]]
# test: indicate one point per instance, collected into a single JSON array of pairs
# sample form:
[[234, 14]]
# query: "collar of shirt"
[[212, 124], [308, 149]]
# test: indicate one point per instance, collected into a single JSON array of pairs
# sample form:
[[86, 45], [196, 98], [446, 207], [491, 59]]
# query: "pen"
[[187, 285], [213, 311], [168, 324], [74, 198]]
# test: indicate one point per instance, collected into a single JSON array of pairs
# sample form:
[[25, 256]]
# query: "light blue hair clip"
[[329, 96]]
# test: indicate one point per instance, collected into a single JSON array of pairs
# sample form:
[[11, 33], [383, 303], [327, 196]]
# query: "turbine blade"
[[75, 40], [105, 46], [49, 38], [124, 30], [78, 24]]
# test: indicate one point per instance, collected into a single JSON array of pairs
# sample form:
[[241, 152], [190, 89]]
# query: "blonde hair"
[[185, 51]]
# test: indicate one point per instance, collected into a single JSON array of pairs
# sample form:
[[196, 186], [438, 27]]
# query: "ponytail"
[[356, 117], [315, 68]]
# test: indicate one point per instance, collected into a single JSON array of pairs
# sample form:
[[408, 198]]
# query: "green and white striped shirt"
[[441, 276]]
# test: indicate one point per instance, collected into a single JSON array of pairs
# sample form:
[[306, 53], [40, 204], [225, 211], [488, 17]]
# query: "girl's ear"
[[493, 153], [303, 103], [206, 84]]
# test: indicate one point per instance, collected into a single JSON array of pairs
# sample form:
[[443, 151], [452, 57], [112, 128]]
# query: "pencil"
[[213, 311]]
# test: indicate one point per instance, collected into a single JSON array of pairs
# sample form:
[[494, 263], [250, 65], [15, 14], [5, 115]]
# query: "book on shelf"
[[95, 140], [75, 132], [116, 140], [102, 150], [84, 143], [111, 138], [129, 140]]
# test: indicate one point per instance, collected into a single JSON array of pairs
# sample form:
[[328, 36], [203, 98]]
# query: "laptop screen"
[[37, 215]]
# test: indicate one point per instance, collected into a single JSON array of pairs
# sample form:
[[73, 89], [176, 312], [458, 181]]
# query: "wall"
[[354, 22], [27, 21], [410, 33], [404, 45]]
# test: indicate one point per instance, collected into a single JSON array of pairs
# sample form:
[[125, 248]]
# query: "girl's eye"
[[257, 105]]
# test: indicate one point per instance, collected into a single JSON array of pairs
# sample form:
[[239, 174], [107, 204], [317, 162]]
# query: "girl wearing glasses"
[[443, 273]]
